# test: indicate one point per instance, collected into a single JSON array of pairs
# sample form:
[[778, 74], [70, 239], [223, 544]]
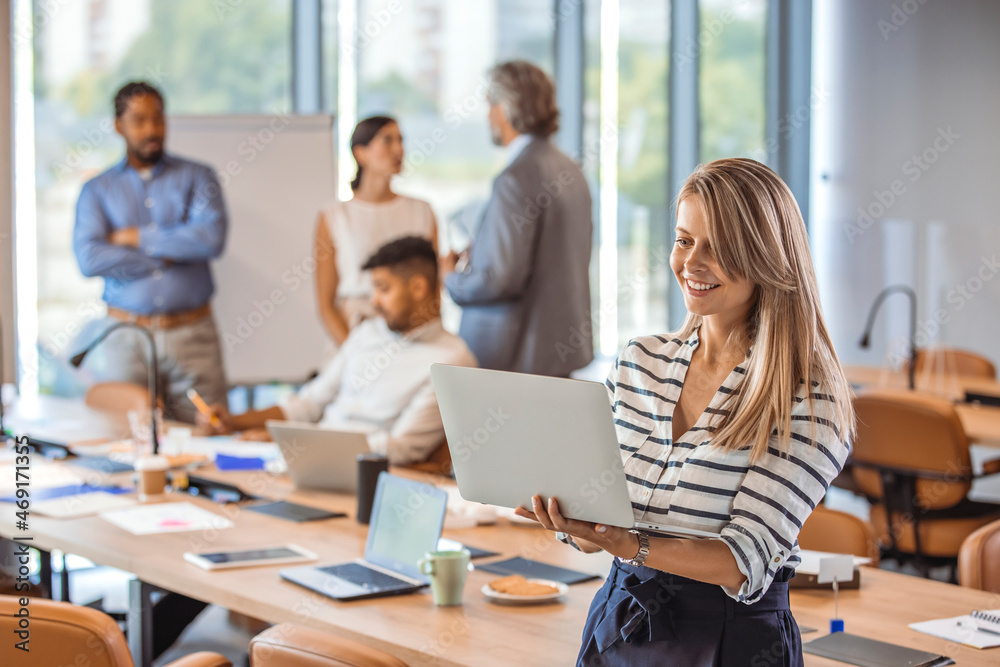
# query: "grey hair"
[[528, 97]]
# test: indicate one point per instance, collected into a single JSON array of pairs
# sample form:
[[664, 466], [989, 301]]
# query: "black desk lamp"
[[78, 358], [913, 324]]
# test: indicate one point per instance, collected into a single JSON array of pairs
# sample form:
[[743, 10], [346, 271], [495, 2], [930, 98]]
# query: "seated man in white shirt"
[[380, 378]]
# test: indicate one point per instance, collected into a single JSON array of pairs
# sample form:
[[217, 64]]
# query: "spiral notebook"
[[988, 620], [980, 629]]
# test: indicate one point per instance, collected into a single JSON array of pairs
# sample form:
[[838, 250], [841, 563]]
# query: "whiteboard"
[[276, 173]]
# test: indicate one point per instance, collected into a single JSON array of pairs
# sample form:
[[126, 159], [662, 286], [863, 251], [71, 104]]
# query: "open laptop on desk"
[[406, 522], [513, 435], [319, 458]]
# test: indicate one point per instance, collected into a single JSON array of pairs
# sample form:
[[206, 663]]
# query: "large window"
[[628, 70], [732, 86], [206, 57], [423, 61], [627, 104]]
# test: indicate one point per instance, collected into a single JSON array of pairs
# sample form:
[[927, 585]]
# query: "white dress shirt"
[[380, 381], [516, 146]]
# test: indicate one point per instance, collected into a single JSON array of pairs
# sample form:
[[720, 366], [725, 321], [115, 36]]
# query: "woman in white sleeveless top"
[[349, 232]]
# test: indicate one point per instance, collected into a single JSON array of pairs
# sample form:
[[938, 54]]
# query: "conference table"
[[411, 627]]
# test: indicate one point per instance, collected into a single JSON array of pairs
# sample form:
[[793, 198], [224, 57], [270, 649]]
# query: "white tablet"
[[219, 560]]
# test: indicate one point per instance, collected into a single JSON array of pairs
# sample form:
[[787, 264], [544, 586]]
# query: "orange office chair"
[[65, 634], [438, 463], [838, 532], [290, 645], [948, 361], [979, 559], [911, 459]]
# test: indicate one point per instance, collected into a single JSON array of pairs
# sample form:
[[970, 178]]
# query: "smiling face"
[[383, 155], [708, 291]]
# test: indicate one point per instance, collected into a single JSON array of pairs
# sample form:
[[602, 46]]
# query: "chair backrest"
[[117, 397], [951, 361], [61, 634], [979, 559], [838, 532], [910, 431], [290, 645], [438, 463]]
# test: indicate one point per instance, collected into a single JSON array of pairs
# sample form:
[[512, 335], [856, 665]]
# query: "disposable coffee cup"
[[152, 476], [369, 467]]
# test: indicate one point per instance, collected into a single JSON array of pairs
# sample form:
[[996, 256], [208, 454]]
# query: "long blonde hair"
[[757, 233]]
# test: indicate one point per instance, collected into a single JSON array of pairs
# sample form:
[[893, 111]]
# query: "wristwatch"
[[639, 558], [566, 538]]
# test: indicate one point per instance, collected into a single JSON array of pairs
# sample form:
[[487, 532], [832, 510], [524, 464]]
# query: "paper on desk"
[[811, 559], [44, 475], [959, 629], [166, 518], [230, 446], [69, 507]]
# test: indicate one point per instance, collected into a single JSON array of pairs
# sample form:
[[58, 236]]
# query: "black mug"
[[369, 467]]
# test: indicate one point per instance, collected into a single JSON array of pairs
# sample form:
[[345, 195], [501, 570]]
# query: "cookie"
[[518, 585]]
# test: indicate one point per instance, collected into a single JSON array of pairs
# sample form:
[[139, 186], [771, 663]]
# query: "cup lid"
[[152, 463]]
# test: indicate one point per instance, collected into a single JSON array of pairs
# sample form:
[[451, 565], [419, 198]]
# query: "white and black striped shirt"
[[758, 508]]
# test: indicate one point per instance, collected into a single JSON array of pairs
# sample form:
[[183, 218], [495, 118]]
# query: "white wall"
[[905, 78]]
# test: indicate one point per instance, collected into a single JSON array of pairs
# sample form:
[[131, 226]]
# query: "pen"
[[203, 408], [972, 625]]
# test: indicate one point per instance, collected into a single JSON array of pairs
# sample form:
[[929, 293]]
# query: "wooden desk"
[[477, 633], [63, 420], [980, 422]]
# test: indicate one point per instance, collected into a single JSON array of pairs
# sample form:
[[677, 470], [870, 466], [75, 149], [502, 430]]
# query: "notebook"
[[532, 569], [406, 521], [980, 629], [283, 509], [864, 652], [987, 619]]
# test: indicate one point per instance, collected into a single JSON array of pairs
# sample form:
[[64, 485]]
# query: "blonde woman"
[[349, 232], [735, 424]]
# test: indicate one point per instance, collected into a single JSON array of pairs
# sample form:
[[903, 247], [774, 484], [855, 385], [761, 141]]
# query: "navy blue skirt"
[[646, 617]]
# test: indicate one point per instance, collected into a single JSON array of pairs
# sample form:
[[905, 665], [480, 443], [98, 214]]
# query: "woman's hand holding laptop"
[[589, 537]]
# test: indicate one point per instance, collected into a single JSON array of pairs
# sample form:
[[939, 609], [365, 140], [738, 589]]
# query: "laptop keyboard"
[[366, 577]]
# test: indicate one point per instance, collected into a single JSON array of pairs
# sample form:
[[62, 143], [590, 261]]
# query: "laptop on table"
[[319, 458], [406, 521], [513, 435]]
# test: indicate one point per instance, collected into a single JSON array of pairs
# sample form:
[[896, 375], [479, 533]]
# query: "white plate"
[[507, 598]]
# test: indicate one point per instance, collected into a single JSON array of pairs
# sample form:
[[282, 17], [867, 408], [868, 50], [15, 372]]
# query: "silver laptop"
[[513, 436], [406, 522], [319, 458]]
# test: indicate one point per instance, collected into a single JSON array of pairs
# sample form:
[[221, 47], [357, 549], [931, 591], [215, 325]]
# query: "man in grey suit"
[[525, 287]]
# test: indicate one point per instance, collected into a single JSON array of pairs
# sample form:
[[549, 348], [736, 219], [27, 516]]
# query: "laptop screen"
[[406, 522]]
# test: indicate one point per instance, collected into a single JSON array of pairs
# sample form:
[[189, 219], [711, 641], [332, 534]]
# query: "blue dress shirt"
[[182, 223]]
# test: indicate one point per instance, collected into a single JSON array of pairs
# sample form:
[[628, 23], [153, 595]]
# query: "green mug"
[[447, 570]]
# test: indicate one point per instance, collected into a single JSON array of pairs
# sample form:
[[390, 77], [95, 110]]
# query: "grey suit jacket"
[[525, 295]]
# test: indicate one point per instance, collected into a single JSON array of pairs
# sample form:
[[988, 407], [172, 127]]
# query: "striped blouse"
[[759, 508]]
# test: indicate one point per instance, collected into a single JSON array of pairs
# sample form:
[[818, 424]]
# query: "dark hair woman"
[[348, 232]]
